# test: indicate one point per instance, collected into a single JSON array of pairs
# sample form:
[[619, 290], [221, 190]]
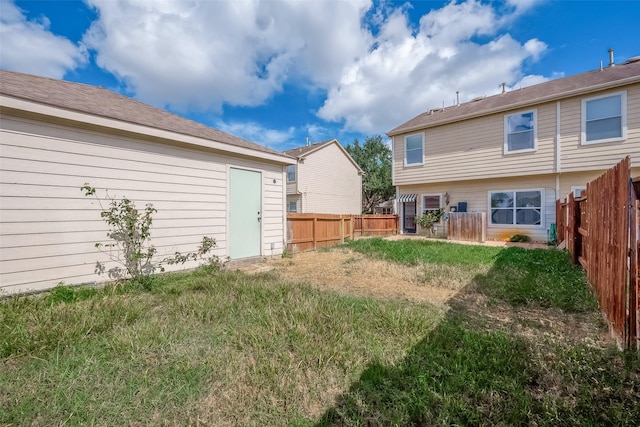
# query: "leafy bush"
[[519, 238], [131, 248], [429, 218]]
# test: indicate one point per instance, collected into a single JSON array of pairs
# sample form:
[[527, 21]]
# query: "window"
[[291, 173], [604, 118], [413, 149], [516, 207], [431, 202], [293, 207], [520, 132]]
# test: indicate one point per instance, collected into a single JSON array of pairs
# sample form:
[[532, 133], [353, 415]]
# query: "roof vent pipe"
[[504, 87], [457, 97], [611, 62]]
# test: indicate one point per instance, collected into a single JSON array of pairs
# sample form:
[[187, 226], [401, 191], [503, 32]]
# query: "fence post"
[[315, 225], [351, 227], [634, 272], [341, 229]]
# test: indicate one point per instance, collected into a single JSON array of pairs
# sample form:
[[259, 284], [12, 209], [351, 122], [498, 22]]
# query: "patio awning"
[[404, 198]]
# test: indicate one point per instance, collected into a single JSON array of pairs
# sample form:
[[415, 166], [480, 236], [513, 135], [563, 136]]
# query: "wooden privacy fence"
[[310, 231], [601, 231], [375, 225], [470, 226]]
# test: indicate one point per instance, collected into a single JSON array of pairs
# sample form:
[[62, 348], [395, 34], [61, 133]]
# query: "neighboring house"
[[56, 135], [384, 208], [325, 180], [512, 155]]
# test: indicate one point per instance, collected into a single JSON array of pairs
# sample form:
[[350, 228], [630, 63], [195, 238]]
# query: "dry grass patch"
[[351, 273]]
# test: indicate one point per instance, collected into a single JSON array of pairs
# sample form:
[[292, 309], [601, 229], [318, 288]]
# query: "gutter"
[[37, 111], [527, 103]]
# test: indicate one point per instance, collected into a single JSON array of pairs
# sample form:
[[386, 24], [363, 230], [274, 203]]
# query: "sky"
[[277, 72]]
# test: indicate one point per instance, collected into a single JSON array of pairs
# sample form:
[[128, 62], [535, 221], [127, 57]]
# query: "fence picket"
[[601, 233], [469, 226], [311, 231]]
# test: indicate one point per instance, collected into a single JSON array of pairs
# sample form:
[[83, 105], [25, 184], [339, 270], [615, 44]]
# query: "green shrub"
[[519, 238], [130, 246]]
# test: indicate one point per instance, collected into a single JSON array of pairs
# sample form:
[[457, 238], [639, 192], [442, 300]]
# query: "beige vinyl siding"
[[474, 149], [292, 187], [476, 194], [599, 156], [580, 179], [48, 228], [329, 182], [296, 199]]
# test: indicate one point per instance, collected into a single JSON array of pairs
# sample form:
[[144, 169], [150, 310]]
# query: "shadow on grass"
[[469, 371]]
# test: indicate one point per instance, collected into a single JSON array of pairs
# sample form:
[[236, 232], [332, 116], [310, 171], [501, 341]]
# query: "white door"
[[245, 213]]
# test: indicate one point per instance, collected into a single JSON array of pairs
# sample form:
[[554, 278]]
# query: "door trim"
[[228, 206]]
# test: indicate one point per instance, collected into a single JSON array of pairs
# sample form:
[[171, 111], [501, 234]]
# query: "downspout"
[[396, 208], [285, 210], [558, 150]]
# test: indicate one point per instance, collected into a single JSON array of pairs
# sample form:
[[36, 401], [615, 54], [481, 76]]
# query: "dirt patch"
[[351, 273], [542, 326]]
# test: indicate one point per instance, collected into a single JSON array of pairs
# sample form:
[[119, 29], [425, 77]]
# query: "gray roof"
[[106, 103], [621, 74], [301, 151]]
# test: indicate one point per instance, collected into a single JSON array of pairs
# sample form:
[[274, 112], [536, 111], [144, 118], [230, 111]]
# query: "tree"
[[374, 158]]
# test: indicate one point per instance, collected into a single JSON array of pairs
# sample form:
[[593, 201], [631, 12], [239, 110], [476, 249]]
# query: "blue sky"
[[276, 72]]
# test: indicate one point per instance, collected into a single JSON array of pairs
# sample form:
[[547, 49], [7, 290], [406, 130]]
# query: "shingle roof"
[[301, 151], [105, 103], [628, 72]]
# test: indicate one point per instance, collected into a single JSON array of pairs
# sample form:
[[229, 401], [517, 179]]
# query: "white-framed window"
[[292, 207], [604, 118], [520, 132], [521, 207], [291, 173], [414, 149], [431, 202]]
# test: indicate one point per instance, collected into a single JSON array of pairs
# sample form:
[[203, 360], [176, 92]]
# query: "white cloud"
[[252, 131], [457, 48], [194, 55], [522, 6], [203, 54], [29, 46]]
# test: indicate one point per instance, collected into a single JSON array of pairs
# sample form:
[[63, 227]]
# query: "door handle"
[[259, 217]]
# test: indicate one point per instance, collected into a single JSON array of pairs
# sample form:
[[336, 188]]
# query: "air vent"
[[634, 59]]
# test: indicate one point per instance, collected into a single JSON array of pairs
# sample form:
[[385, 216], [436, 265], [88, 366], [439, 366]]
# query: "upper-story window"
[[291, 173], [604, 118], [414, 149], [520, 132]]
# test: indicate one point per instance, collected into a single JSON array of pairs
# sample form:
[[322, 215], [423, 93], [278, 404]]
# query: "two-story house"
[[325, 179], [513, 154]]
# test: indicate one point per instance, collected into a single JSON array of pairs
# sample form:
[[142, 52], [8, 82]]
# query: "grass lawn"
[[227, 348]]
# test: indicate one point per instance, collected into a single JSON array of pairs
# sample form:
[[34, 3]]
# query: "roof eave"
[[21, 105], [562, 95]]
